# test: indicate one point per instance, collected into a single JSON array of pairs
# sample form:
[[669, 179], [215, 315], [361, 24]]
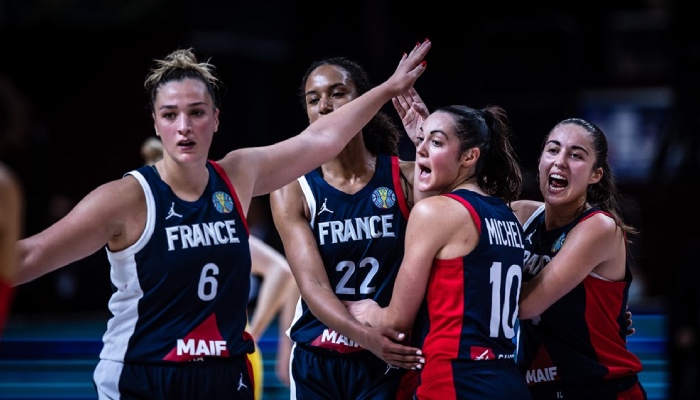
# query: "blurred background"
[[71, 89]]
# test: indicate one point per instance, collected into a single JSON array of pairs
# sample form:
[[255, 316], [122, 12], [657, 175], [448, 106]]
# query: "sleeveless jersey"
[[181, 291], [472, 301], [581, 337], [360, 238]]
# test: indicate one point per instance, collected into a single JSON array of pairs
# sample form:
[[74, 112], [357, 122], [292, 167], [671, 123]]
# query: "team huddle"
[[428, 278]]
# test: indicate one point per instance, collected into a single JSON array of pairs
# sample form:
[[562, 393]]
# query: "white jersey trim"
[[534, 215], [124, 276], [310, 200]]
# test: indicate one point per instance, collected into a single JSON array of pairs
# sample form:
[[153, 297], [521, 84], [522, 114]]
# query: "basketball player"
[[342, 227], [572, 310], [462, 267], [276, 291]]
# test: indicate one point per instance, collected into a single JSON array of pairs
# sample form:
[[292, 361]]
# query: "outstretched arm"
[[114, 214], [271, 167]]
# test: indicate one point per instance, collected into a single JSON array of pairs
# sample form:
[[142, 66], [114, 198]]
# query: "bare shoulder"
[[524, 209], [242, 166], [125, 192], [286, 196], [114, 205], [289, 207], [598, 225], [439, 210]]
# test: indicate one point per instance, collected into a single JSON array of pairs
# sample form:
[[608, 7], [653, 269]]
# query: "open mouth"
[[557, 181], [424, 171]]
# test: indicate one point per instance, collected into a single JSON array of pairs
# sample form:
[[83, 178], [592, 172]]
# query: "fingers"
[[403, 105], [420, 49], [399, 108], [405, 357], [414, 59]]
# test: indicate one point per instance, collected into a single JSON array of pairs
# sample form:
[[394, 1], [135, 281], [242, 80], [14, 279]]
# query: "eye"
[[312, 101], [197, 113], [338, 94], [168, 115]]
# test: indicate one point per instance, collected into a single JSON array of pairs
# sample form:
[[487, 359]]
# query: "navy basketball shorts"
[[323, 374], [626, 388], [211, 379], [481, 380]]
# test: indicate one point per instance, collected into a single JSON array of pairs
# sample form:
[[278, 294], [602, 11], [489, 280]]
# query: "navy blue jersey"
[[581, 337], [360, 238], [472, 301], [181, 291]]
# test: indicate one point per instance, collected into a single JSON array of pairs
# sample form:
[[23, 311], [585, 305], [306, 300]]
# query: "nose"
[[325, 105], [184, 125], [560, 161], [422, 148]]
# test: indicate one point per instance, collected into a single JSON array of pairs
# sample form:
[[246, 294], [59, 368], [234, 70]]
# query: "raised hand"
[[412, 110], [411, 66]]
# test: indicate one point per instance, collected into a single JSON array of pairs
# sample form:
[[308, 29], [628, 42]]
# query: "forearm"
[[326, 306], [274, 292]]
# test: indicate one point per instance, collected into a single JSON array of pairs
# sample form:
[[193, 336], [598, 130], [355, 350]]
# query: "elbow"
[[524, 313], [528, 309]]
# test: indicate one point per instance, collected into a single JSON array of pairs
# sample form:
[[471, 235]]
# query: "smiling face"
[[185, 119], [566, 166], [440, 163], [327, 88]]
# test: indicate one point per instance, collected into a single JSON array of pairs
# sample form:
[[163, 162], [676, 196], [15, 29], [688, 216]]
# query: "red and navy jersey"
[[472, 301], [181, 291], [581, 337], [360, 238]]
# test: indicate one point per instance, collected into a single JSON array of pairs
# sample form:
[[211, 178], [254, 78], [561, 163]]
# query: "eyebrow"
[[575, 147], [331, 87], [170, 106], [435, 131]]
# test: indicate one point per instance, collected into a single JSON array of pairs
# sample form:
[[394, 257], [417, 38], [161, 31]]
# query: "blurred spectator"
[[151, 150]]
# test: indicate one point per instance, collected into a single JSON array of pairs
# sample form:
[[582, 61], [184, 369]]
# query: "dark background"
[[77, 69]]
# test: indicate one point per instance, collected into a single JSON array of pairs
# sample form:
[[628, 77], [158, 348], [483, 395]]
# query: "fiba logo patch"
[[556, 246], [383, 197], [223, 202]]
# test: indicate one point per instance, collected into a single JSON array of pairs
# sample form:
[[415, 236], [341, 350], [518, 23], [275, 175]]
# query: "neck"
[[468, 183]]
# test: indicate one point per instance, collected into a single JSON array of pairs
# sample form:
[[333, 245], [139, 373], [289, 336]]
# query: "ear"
[[469, 157], [216, 119], [155, 128], [596, 176]]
